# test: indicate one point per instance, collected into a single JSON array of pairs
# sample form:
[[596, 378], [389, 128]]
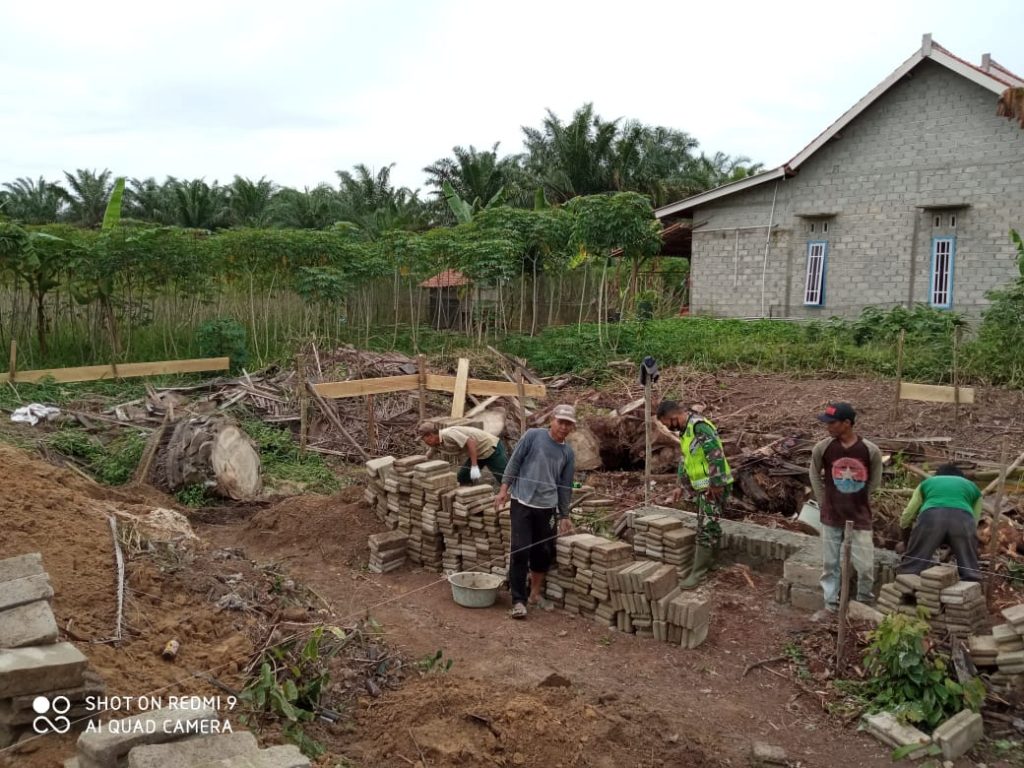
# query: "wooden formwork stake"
[[371, 425], [956, 378], [421, 365], [13, 369], [521, 401], [647, 442], [844, 593], [899, 373], [303, 392], [997, 515]]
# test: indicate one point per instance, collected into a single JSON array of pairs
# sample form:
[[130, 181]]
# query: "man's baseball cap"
[[838, 412], [564, 412]]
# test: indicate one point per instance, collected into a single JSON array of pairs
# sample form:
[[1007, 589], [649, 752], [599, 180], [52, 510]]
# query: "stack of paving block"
[[953, 605], [666, 539], [431, 481], [633, 590], [682, 618], [32, 662], [387, 551], [376, 494], [607, 557], [595, 507], [1009, 642], [166, 738], [575, 559], [476, 536], [400, 502]]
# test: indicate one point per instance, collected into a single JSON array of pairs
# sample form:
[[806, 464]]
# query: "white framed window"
[[940, 293], [814, 285]]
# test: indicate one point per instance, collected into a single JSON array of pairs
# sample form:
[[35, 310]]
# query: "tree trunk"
[[41, 322], [211, 451]]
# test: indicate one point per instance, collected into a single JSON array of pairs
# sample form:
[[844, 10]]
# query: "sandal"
[[518, 611], [543, 604]]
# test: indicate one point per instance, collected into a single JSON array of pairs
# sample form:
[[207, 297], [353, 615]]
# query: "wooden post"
[[371, 425], [303, 393], [899, 372], [421, 365], [521, 401], [13, 369], [844, 594], [997, 517], [647, 442], [956, 379], [461, 386]]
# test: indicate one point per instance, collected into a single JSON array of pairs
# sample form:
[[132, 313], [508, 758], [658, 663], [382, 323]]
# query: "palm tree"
[[249, 201], [316, 208], [32, 202], [651, 160], [572, 159], [706, 173], [373, 205], [197, 205], [479, 177], [88, 193], [146, 200]]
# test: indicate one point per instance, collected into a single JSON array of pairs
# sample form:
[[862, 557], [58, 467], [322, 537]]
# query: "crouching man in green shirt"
[[947, 507]]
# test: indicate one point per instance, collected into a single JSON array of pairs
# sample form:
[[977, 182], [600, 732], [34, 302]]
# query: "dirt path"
[[701, 696]]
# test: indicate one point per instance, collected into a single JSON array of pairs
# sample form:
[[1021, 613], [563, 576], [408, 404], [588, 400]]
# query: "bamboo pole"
[[997, 516], [956, 379], [647, 441], [421, 365], [303, 403], [520, 401], [899, 373], [13, 368], [844, 594], [371, 425]]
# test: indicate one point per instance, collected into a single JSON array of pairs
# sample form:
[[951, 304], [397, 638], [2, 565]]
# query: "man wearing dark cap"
[[845, 470]]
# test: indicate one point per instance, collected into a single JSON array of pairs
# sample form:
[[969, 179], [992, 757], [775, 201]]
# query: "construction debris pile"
[[1001, 654], [954, 606], [34, 663]]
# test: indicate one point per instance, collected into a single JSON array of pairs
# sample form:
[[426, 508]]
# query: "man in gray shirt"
[[539, 475]]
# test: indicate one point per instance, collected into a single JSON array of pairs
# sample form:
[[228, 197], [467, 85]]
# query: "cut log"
[[211, 451], [492, 421]]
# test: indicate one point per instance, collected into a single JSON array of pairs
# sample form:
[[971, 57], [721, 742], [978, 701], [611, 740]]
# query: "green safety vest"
[[694, 461]]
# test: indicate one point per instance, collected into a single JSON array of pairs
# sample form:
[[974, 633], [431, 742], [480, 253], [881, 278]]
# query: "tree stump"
[[211, 451]]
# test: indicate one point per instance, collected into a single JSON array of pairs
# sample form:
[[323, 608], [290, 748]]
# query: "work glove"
[[474, 472]]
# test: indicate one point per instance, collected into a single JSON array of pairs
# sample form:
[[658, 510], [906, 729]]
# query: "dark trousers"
[[496, 462], [533, 546], [938, 526]]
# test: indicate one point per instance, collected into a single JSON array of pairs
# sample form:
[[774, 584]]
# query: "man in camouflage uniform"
[[706, 471]]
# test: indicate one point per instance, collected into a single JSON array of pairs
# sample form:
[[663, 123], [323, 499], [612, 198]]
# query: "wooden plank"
[[485, 387], [378, 386], [459, 393], [935, 394], [124, 370], [13, 368]]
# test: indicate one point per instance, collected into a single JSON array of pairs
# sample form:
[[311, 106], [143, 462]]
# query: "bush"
[[283, 461], [1000, 342], [224, 337]]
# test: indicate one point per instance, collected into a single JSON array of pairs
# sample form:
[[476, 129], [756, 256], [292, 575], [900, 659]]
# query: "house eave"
[[718, 192]]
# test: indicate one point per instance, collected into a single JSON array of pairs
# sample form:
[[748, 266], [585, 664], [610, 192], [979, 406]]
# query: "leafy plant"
[[910, 679], [112, 464], [434, 662], [193, 496], [284, 462], [224, 337]]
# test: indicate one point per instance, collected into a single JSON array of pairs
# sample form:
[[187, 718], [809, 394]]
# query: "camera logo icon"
[[59, 706]]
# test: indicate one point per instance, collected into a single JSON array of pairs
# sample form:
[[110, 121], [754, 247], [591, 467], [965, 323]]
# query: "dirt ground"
[[555, 690]]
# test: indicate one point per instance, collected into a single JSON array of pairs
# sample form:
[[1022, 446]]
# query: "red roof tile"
[[450, 278]]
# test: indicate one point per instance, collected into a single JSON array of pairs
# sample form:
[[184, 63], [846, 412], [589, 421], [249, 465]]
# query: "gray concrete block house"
[[907, 198]]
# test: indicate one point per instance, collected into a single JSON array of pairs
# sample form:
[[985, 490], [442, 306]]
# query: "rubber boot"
[[703, 559]]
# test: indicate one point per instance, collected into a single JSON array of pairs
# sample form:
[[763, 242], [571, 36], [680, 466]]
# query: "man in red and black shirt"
[[845, 470]]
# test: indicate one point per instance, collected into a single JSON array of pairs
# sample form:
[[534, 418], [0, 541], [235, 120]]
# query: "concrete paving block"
[[857, 611], [803, 569], [25, 590], [762, 754], [283, 756], [886, 728], [806, 599], [195, 750], [29, 624], [21, 566], [1014, 614], [959, 734], [111, 742], [40, 668], [72, 762]]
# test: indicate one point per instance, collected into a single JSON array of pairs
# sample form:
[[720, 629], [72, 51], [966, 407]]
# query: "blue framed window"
[[814, 284], [940, 291]]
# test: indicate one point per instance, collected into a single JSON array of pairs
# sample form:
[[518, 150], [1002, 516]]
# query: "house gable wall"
[[932, 139]]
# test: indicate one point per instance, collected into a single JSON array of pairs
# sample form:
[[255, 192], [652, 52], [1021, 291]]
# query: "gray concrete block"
[[109, 743], [805, 599], [857, 611], [959, 734], [886, 728], [191, 751], [25, 590], [29, 624], [283, 756], [40, 668], [21, 566], [762, 754]]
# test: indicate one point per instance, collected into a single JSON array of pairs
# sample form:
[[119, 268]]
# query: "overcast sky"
[[296, 90]]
